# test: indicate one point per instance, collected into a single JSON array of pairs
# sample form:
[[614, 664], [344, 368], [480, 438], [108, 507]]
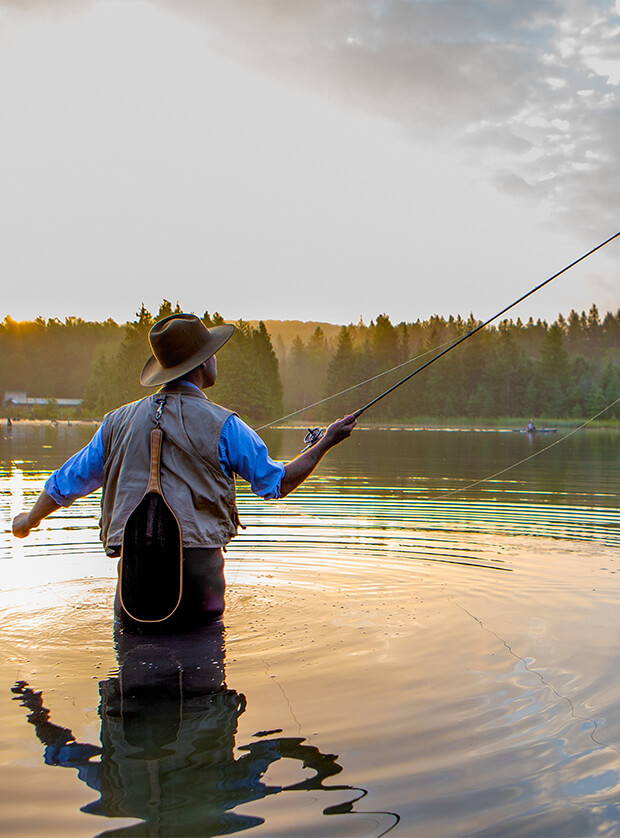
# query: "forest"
[[568, 369]]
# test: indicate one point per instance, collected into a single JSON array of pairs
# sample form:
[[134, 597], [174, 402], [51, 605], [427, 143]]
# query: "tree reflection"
[[167, 753]]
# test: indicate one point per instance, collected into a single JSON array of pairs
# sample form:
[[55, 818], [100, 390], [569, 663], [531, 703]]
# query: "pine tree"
[[342, 372], [248, 374], [555, 377]]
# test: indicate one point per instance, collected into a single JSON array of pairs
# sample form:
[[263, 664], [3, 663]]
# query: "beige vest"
[[196, 488]]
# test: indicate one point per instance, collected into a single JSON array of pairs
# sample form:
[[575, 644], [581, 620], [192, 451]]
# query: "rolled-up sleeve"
[[243, 452], [80, 475]]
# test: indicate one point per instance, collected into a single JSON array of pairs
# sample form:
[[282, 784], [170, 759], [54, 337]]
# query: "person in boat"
[[531, 427], [205, 446]]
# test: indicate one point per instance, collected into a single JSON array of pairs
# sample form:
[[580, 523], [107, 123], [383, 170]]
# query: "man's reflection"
[[167, 755]]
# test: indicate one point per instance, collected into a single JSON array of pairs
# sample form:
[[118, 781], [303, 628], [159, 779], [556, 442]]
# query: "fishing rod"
[[314, 434]]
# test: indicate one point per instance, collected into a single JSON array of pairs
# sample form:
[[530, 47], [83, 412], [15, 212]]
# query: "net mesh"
[[151, 565]]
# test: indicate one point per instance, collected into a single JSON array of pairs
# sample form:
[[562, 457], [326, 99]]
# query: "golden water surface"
[[395, 659]]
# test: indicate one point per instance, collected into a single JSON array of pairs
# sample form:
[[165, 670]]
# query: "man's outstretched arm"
[[79, 476], [243, 452]]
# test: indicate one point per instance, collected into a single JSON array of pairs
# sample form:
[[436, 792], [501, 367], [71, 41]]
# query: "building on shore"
[[14, 398]]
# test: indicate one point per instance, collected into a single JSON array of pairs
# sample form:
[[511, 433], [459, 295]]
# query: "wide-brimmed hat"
[[180, 343]]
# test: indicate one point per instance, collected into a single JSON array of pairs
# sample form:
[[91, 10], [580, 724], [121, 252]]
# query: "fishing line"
[[449, 346], [355, 386], [526, 459], [533, 671], [274, 680]]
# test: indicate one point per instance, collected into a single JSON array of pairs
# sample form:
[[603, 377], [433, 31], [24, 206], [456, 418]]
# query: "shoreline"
[[422, 424], [52, 423], [461, 424]]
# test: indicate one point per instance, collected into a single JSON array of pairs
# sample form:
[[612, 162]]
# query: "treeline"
[[53, 358], [101, 363], [569, 368]]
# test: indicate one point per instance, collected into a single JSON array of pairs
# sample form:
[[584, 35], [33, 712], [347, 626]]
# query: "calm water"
[[396, 657]]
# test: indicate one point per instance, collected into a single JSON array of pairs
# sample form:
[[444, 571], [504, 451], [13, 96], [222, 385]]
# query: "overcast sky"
[[315, 160]]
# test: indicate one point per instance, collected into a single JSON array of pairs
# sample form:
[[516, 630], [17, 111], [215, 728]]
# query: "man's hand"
[[26, 521], [302, 466], [21, 525], [339, 430]]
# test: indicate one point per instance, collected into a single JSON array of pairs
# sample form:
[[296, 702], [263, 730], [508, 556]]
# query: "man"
[[204, 446]]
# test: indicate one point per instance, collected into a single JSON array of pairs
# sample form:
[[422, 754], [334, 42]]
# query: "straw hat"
[[180, 343]]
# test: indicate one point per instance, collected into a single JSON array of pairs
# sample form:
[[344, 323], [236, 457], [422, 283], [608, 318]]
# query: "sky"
[[320, 160]]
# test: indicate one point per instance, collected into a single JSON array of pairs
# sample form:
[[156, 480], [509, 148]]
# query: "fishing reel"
[[313, 435]]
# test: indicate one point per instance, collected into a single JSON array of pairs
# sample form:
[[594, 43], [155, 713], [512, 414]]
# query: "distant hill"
[[285, 331]]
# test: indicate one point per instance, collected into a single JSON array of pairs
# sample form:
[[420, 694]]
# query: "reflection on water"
[[459, 654], [167, 753]]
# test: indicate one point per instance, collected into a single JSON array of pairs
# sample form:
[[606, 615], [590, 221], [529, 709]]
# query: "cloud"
[[528, 89]]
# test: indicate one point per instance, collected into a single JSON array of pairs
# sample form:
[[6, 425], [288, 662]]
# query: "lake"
[[405, 651]]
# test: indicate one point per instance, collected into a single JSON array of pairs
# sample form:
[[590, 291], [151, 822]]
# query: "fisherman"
[[531, 427], [205, 446]]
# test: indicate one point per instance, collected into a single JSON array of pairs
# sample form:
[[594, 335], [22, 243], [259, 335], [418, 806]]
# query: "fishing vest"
[[193, 482]]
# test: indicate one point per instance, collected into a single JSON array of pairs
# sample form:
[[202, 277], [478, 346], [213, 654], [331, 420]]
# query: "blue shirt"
[[241, 451]]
